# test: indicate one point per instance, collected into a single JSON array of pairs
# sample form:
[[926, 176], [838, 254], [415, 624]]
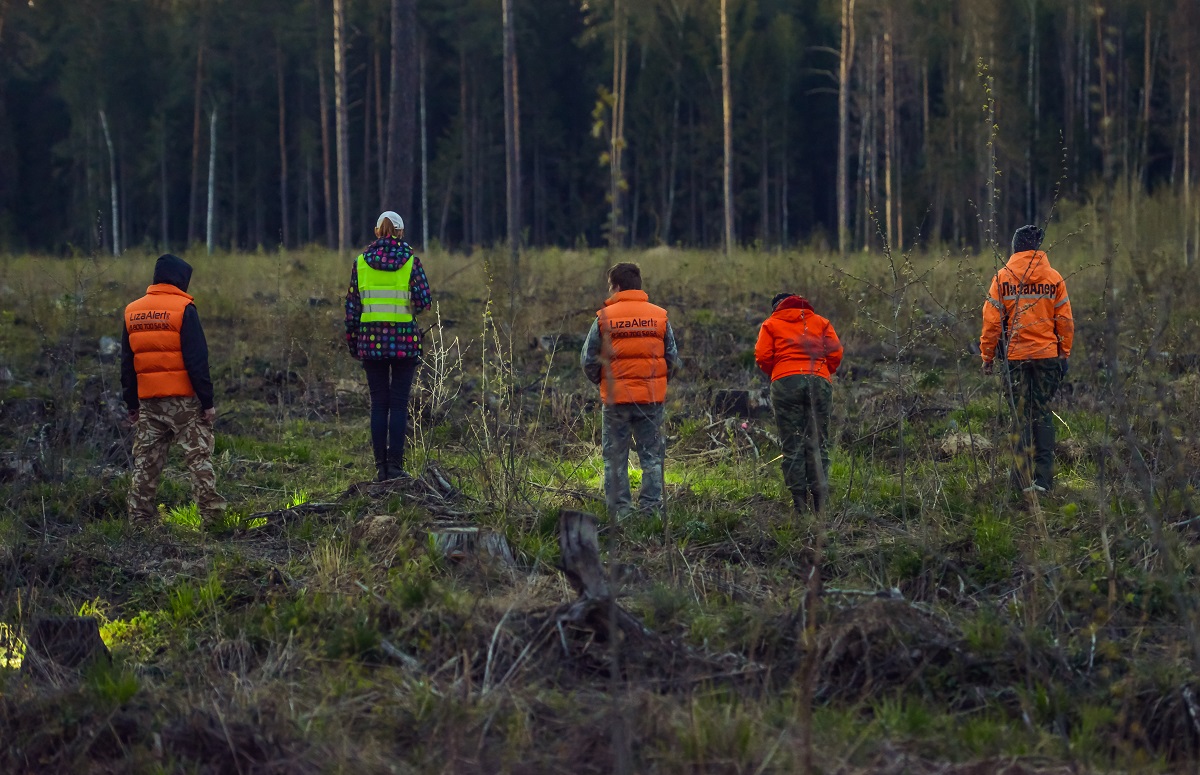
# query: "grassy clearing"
[[344, 639]]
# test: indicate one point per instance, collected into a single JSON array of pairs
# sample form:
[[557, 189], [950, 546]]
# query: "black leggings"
[[390, 382]]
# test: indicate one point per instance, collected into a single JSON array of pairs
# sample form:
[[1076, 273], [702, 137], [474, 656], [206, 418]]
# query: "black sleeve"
[[195, 356], [128, 373]]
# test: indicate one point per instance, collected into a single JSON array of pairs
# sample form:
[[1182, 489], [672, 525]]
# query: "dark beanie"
[[1027, 238], [778, 298]]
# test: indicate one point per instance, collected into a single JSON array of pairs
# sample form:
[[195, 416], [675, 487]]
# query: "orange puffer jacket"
[[633, 353], [154, 322], [1027, 311], [796, 340]]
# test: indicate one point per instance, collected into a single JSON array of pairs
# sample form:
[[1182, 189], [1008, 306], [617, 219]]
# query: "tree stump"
[[579, 541], [459, 543], [740, 403], [596, 608], [65, 641]]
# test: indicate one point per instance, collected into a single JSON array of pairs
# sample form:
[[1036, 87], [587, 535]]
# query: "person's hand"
[[209, 416], [988, 368], [1065, 365], [133, 417]]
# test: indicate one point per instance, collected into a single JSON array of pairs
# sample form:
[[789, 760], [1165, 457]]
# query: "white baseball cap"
[[396, 220]]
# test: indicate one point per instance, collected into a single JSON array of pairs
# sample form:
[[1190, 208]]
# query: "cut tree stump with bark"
[[740, 403], [459, 543], [65, 642], [596, 608]]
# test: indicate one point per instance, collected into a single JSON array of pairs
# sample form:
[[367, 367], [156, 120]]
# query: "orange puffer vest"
[[154, 322], [632, 332]]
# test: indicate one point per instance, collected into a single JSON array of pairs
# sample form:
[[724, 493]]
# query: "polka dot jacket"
[[377, 341]]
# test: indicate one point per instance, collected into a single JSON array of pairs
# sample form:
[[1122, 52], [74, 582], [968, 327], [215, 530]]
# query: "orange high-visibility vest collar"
[[154, 322], [632, 350]]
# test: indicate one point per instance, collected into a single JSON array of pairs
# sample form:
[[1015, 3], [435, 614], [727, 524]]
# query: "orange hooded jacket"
[[1027, 311], [796, 340]]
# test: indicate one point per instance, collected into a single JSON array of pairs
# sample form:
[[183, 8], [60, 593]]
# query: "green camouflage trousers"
[[639, 423], [1032, 385], [161, 421], [802, 406]]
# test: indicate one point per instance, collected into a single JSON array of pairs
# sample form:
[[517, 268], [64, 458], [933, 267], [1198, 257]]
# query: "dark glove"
[[1065, 365]]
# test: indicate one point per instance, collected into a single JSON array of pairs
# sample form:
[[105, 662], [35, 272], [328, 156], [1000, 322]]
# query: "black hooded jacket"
[[173, 270]]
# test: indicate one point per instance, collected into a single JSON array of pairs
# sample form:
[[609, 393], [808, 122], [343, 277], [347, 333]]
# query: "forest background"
[[147, 115], [932, 621]]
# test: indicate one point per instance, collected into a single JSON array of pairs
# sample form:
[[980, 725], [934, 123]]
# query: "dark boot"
[[800, 502], [381, 473], [395, 467]]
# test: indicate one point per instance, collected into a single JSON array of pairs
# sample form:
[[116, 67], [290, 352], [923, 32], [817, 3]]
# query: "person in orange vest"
[[800, 351], [387, 289], [1027, 322], [168, 391], [630, 353]]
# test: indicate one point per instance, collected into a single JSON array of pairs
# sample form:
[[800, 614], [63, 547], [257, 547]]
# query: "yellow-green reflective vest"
[[385, 295]]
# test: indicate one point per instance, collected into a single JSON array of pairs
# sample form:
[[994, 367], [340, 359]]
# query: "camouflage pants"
[[1032, 385], [640, 423], [802, 407], [161, 421]]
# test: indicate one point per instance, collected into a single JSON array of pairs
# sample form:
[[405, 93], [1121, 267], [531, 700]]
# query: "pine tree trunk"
[[664, 234], [283, 156], [210, 229], [402, 121], [342, 123], [380, 136], [366, 221], [764, 214], [162, 173], [616, 182], [326, 165], [512, 158], [1187, 161], [468, 236], [112, 178], [727, 123], [845, 61], [196, 122], [889, 135], [424, 157]]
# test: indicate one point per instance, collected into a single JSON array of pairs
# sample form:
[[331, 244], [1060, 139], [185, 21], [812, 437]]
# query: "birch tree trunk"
[[210, 230], [512, 158], [283, 156], [342, 123], [112, 182], [845, 61], [889, 133], [727, 122], [196, 121]]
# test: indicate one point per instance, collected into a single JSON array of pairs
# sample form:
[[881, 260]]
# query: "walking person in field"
[[168, 391], [1027, 322], [387, 289], [630, 353], [800, 351]]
